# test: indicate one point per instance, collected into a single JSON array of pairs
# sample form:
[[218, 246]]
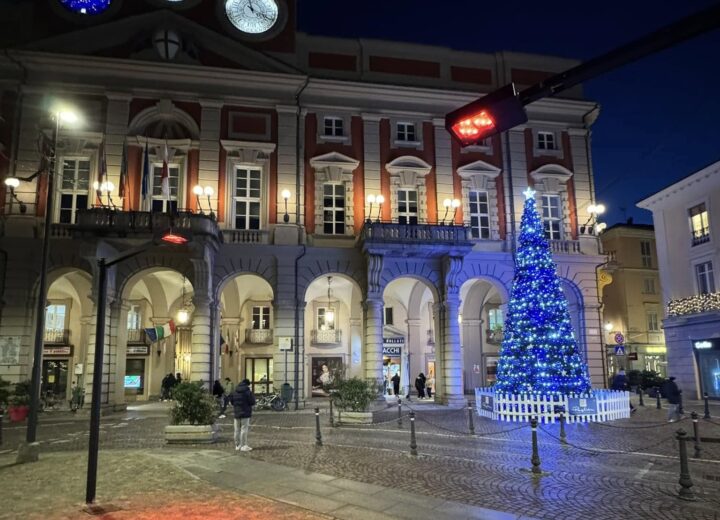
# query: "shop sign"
[[393, 346], [582, 405], [138, 350], [285, 343], [65, 350], [486, 403], [392, 351], [632, 356], [703, 345]]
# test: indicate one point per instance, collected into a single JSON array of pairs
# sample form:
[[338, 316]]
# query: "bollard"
[[657, 390], [318, 435], [707, 406], [680, 405], [685, 481], [563, 436], [471, 422], [2, 415], [399, 413], [696, 433], [535, 460], [332, 419], [640, 393], [413, 443]]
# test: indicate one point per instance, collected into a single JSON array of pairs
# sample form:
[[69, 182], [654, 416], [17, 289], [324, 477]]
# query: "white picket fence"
[[597, 406]]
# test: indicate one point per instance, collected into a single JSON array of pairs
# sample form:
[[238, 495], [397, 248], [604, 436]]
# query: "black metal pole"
[[31, 432], [413, 442], [640, 393], [680, 404], [535, 459], [97, 384], [696, 434], [707, 406], [663, 38], [563, 435], [685, 481], [332, 420], [318, 435], [2, 416], [471, 423], [657, 395], [399, 413]]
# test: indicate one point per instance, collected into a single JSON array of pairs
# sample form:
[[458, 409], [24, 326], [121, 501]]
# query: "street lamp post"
[[29, 454], [94, 441]]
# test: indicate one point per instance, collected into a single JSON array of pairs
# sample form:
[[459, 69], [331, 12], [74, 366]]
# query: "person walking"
[[420, 385], [228, 387], [429, 386], [218, 392], [620, 383], [242, 400], [396, 383], [171, 383], [672, 393]]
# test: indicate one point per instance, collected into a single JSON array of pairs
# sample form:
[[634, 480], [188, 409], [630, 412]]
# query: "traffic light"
[[487, 116]]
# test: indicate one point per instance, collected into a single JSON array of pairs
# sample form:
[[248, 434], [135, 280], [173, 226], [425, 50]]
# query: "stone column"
[[201, 352], [356, 334], [452, 390], [416, 346], [90, 369], [373, 338], [120, 310], [473, 341]]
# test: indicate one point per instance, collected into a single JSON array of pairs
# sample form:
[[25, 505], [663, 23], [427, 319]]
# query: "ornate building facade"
[[336, 227]]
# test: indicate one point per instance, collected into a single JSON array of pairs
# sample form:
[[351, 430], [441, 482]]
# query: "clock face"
[[252, 16], [86, 7]]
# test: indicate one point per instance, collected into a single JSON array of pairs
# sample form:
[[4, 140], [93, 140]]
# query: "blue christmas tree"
[[539, 353]]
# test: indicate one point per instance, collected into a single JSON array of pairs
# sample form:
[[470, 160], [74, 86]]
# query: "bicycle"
[[49, 402], [272, 401]]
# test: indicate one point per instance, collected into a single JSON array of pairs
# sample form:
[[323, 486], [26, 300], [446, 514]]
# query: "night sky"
[[660, 117]]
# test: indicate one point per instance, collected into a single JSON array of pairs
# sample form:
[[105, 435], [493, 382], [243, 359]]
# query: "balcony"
[[136, 337], [494, 337], [694, 305], [565, 246], [700, 237], [109, 222], [246, 236], [259, 336], [325, 337], [422, 239], [57, 337]]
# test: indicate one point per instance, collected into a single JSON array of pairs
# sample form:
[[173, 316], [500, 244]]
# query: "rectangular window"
[[552, 221], [479, 214], [649, 286], [260, 318], [326, 318], [652, 321], [546, 141], [388, 315], [334, 209], [247, 198], [161, 203], [134, 319], [407, 206], [705, 279], [406, 132], [495, 319], [333, 127], [55, 318], [646, 253], [74, 189], [699, 224], [260, 373]]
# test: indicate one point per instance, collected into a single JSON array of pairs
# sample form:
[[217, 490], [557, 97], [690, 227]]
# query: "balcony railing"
[[326, 337], [494, 337], [57, 336], [105, 221], [694, 304], [701, 237], [414, 233], [259, 336], [136, 337], [245, 236], [565, 246]]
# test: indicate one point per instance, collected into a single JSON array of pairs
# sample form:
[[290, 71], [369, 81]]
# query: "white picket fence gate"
[[597, 406]]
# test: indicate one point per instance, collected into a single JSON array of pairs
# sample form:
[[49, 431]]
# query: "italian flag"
[[160, 332], [165, 179]]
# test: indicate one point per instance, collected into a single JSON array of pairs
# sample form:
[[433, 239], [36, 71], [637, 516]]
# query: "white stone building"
[[686, 223], [292, 135]]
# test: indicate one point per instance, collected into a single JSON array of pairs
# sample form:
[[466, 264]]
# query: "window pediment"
[[408, 163], [478, 173], [335, 166], [551, 177], [248, 152], [74, 143]]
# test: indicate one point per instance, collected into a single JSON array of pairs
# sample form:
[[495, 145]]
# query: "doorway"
[[54, 378], [259, 371]]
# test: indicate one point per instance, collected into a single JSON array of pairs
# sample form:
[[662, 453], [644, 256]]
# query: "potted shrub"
[[19, 402], [352, 398], [4, 395], [192, 417]]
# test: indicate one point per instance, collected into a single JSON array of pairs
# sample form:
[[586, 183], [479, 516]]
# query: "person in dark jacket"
[[420, 385], [171, 382], [242, 400], [672, 393], [620, 383], [396, 383], [218, 391]]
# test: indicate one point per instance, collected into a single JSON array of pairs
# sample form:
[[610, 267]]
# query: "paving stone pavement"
[[592, 477]]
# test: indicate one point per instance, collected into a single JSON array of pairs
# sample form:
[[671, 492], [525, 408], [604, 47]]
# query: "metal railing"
[[259, 336], [414, 233], [701, 237], [136, 337], [57, 336], [121, 223], [246, 236], [326, 337], [564, 246]]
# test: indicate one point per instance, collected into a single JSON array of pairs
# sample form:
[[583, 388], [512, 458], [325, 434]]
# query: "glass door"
[[54, 380], [259, 371]]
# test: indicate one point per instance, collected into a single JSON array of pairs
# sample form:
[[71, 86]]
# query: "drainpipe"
[[296, 346], [511, 192]]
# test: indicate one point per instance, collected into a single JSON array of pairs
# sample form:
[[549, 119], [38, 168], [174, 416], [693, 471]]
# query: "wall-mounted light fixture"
[[286, 196]]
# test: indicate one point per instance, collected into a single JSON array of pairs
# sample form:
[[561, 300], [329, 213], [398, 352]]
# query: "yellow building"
[[632, 302]]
